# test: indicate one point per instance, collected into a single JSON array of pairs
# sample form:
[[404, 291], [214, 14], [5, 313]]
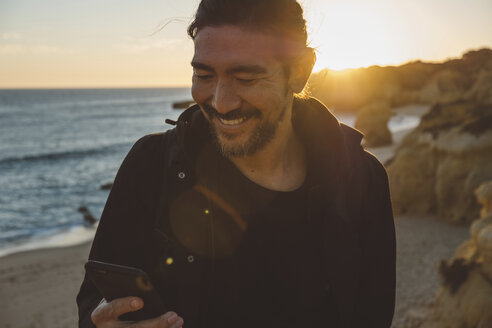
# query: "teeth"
[[232, 122]]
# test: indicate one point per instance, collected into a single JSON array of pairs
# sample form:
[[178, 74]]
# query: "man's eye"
[[246, 80], [203, 77]]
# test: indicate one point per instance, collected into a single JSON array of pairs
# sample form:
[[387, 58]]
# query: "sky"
[[119, 43]]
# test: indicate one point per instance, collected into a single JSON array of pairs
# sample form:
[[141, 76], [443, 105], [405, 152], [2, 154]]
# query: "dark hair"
[[284, 17]]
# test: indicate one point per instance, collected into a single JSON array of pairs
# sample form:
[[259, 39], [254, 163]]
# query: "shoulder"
[[375, 168], [149, 143], [145, 157], [374, 178], [150, 146], [365, 164]]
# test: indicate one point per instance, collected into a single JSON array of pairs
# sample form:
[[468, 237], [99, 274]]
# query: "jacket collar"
[[329, 143]]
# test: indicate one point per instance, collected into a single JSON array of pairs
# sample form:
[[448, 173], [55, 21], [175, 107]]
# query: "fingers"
[[111, 311], [168, 320]]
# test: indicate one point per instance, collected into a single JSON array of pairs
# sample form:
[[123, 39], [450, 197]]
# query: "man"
[[259, 209]]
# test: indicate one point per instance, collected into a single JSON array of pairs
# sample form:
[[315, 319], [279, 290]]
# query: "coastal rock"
[[484, 197], [438, 166], [481, 91], [484, 243], [106, 186], [478, 225], [88, 217], [372, 120], [412, 83], [465, 298], [444, 87], [469, 307], [412, 176]]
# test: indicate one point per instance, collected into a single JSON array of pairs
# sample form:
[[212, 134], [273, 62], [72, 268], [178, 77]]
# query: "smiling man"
[[259, 209]]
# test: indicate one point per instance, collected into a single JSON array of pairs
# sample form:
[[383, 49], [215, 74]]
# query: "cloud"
[[20, 49], [139, 46], [13, 43], [11, 36]]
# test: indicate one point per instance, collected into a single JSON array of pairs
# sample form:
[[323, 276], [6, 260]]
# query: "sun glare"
[[352, 35]]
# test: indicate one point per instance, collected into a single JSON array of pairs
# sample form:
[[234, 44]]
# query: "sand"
[[38, 288]]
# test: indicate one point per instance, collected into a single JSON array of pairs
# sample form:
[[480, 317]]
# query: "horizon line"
[[96, 87], [90, 87]]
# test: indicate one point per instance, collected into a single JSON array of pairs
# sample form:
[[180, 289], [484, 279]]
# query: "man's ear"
[[301, 70]]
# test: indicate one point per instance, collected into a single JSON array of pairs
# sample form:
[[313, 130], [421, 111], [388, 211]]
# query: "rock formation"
[[465, 298], [372, 120], [88, 217], [106, 186], [412, 83], [438, 166], [481, 90], [444, 87], [484, 197]]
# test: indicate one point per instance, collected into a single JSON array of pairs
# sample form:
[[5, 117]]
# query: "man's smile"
[[232, 122]]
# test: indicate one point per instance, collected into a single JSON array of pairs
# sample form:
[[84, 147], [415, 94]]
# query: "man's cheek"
[[199, 92]]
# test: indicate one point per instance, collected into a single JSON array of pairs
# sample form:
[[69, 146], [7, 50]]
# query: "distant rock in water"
[[373, 120], [183, 104], [438, 166], [106, 186], [88, 217]]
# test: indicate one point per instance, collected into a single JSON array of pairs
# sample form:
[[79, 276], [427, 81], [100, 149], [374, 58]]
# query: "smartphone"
[[116, 281]]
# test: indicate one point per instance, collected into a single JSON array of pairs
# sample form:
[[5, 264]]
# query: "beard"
[[261, 135]]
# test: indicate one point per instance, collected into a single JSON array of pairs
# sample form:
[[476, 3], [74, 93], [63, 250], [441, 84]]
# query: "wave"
[[74, 236], [397, 123], [73, 154], [106, 103]]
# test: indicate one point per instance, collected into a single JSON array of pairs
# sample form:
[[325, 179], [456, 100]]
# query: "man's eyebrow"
[[201, 66], [250, 69]]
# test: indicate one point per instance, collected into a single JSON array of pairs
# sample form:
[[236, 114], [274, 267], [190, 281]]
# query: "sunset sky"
[[109, 43]]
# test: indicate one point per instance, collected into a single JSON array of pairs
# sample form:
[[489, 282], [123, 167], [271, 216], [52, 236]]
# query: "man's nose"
[[225, 98]]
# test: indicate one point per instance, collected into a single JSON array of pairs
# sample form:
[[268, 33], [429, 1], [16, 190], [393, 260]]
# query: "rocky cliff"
[[437, 166], [411, 83], [465, 298]]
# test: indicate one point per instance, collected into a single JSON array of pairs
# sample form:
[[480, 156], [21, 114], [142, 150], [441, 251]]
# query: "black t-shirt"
[[264, 268]]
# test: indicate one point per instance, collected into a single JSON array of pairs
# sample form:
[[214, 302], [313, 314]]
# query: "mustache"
[[231, 115]]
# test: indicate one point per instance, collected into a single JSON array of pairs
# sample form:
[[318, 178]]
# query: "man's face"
[[240, 86]]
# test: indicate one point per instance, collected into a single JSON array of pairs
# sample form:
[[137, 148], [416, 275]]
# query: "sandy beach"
[[38, 288]]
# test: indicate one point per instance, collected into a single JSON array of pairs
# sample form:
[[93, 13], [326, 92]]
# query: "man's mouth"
[[232, 119], [233, 122]]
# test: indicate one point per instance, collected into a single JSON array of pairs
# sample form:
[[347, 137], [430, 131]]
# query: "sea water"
[[57, 147]]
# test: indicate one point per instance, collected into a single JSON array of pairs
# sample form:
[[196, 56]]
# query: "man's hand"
[[105, 315]]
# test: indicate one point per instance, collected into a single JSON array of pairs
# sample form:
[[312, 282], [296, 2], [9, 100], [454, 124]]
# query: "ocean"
[[57, 147]]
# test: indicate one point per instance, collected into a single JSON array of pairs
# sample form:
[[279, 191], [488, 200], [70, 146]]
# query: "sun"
[[353, 34]]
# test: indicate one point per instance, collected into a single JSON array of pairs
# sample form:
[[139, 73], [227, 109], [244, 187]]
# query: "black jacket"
[[350, 203]]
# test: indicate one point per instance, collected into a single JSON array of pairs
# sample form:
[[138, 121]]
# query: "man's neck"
[[281, 164]]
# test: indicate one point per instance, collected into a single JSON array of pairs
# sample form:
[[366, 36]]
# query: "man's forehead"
[[233, 43]]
